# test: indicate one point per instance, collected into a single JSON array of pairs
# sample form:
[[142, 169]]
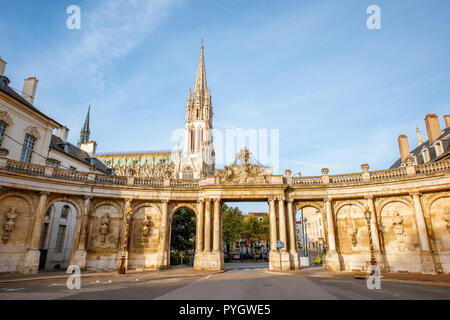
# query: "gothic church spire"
[[85, 132]]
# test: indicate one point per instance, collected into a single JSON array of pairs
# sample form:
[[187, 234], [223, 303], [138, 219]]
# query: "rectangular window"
[[27, 149], [60, 238], [2, 131]]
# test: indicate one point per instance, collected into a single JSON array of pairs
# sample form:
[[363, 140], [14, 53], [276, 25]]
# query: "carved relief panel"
[[440, 222], [15, 222], [104, 229], [352, 229], [145, 230], [398, 228]]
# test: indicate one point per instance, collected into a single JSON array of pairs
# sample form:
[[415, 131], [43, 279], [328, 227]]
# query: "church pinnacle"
[[200, 88], [85, 132]]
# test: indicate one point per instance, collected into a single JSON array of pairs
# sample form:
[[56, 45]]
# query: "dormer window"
[[425, 155], [439, 148]]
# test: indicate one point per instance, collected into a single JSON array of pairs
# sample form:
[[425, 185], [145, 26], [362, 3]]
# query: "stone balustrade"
[[346, 178], [431, 168], [70, 174], [148, 182], [25, 167]]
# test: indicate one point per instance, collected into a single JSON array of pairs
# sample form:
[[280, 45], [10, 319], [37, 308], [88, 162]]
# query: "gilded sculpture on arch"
[[249, 171]]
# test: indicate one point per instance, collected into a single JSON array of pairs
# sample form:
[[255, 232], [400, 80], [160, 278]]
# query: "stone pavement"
[[177, 271], [321, 272]]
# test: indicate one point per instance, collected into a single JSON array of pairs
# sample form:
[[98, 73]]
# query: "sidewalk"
[[417, 278], [178, 271]]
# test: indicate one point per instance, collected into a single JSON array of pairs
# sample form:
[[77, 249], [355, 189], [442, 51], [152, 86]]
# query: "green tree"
[[251, 231], [183, 230], [232, 225], [265, 230]]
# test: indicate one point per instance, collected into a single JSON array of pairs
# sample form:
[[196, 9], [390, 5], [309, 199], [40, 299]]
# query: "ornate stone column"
[[200, 226], [79, 255], [273, 225], [165, 261], [207, 244], [31, 259], [293, 254], [282, 221], [217, 219], [374, 232], [123, 226], [332, 256], [426, 257]]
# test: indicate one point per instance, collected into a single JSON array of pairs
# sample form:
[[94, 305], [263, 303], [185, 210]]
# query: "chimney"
[[62, 133], [403, 147], [2, 66], [89, 147], [29, 89], [432, 125], [447, 120]]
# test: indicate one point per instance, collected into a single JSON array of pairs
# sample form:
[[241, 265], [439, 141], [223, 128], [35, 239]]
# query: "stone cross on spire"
[[85, 132]]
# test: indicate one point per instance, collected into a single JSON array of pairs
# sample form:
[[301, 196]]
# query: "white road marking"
[[208, 277], [12, 289]]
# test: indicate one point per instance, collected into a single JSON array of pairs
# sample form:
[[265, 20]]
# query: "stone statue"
[[104, 228], [9, 225], [398, 227]]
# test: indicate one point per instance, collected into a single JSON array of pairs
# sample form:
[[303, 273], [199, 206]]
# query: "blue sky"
[[340, 94]]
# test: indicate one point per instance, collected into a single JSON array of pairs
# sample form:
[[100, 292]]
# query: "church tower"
[[198, 153]]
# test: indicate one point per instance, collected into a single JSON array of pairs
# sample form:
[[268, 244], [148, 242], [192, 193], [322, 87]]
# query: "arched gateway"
[[405, 211]]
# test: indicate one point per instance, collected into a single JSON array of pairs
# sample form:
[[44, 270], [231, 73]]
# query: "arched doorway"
[[310, 234], [57, 236], [182, 237]]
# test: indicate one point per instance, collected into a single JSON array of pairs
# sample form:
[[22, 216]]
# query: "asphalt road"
[[245, 282]]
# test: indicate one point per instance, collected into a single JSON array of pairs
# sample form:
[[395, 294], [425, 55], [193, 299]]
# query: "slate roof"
[[76, 153], [444, 138], [4, 86]]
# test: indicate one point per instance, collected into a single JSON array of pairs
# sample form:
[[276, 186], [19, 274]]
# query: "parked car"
[[236, 256], [226, 257]]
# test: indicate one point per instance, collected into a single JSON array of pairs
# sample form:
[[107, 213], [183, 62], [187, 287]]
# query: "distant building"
[[436, 148]]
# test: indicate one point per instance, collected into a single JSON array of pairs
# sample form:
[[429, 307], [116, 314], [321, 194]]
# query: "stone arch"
[[14, 244], [72, 200], [352, 228], [439, 211], [146, 204], [22, 195], [100, 203], [315, 238], [399, 236], [177, 206], [346, 203]]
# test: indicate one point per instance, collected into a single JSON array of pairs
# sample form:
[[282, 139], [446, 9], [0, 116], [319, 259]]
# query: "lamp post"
[[305, 236], [373, 261], [123, 258]]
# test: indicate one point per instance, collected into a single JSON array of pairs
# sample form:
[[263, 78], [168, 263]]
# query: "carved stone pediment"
[[6, 118], [33, 131], [246, 172]]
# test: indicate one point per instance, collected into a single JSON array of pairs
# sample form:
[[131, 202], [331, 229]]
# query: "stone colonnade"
[[209, 244]]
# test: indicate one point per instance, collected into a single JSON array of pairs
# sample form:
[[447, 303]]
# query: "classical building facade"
[[401, 215]]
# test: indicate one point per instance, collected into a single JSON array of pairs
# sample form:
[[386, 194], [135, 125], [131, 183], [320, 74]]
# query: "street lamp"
[[373, 261], [123, 258], [305, 237]]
